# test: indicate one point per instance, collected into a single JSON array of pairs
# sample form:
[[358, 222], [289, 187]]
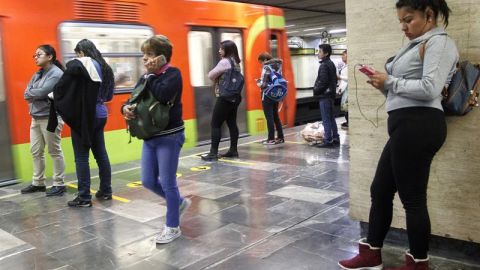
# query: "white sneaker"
[[168, 235], [184, 206]]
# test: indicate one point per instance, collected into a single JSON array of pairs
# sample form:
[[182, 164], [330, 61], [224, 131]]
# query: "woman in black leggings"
[[225, 107], [416, 128]]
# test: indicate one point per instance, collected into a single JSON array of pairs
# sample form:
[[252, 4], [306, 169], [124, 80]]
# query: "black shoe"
[[32, 189], [229, 154], [336, 142], [325, 145], [210, 157], [79, 203], [103, 196], [279, 140], [56, 191]]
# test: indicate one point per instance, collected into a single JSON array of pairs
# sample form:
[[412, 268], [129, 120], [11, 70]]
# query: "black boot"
[[230, 154], [210, 157]]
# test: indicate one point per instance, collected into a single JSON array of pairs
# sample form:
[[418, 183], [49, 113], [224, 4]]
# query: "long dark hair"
[[438, 7], [230, 50], [89, 49], [50, 51]]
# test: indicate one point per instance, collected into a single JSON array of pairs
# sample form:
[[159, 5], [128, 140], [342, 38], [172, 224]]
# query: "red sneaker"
[[369, 258], [412, 263]]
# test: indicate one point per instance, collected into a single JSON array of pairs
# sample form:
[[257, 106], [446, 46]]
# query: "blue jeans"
[[82, 166], [328, 120], [160, 157]]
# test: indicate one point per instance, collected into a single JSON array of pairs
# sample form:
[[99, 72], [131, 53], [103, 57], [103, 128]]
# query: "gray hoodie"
[[38, 89], [416, 83]]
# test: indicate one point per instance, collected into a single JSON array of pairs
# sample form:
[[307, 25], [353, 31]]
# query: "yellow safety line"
[[235, 161], [93, 191], [294, 142]]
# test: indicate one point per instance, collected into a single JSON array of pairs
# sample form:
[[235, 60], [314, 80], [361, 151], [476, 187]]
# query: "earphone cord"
[[375, 124]]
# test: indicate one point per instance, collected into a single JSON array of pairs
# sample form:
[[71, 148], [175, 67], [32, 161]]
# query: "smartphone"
[[161, 60], [369, 71]]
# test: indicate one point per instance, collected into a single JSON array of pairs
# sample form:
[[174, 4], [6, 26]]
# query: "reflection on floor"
[[276, 207]]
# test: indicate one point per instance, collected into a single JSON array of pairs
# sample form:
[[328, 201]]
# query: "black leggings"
[[270, 109], [416, 134], [224, 110]]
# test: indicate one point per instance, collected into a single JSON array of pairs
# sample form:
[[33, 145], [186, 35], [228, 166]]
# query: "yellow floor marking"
[[93, 191], [199, 168], [295, 142], [235, 161]]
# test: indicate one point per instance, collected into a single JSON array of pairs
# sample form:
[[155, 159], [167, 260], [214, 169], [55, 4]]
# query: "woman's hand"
[[377, 80], [154, 64], [128, 112]]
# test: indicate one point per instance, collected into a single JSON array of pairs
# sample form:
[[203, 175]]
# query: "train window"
[[237, 39], [274, 45], [200, 57], [119, 44]]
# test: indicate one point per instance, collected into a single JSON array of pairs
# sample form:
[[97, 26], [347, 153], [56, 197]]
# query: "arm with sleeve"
[[321, 83], [166, 86], [43, 91], [222, 66], [437, 65]]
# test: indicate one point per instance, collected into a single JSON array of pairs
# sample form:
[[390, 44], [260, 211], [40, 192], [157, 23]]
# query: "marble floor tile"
[[306, 194]]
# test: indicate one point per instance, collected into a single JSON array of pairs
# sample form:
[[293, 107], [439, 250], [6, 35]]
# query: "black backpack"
[[232, 83], [152, 117]]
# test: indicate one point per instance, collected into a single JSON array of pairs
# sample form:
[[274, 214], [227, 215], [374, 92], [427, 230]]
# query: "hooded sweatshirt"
[[41, 84], [412, 82], [75, 98]]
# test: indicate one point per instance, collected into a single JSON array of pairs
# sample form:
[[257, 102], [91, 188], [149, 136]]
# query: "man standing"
[[343, 88], [325, 87]]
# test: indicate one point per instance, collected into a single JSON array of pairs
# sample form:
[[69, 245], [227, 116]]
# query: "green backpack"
[[151, 116]]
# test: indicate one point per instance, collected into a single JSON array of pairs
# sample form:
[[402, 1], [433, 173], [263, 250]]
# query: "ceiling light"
[[290, 25], [336, 31], [313, 29], [313, 34], [290, 32]]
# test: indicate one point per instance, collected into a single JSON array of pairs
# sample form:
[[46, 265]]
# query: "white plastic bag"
[[313, 133]]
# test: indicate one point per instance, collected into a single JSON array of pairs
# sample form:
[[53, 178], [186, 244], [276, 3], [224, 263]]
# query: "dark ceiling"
[[304, 16]]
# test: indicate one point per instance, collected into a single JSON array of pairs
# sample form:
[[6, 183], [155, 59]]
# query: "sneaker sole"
[[167, 240], [379, 267], [79, 206]]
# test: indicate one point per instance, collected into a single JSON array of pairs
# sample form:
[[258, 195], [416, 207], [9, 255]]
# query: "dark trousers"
[[224, 110], [270, 109], [82, 166], [416, 134], [328, 120]]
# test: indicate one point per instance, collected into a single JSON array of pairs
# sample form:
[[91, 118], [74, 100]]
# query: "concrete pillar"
[[454, 187]]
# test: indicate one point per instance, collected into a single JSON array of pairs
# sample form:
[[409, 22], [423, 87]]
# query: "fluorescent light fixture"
[[336, 31], [290, 25], [313, 34], [290, 32], [313, 29]]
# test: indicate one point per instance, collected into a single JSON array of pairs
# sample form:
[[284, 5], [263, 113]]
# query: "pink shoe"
[[412, 263], [369, 258]]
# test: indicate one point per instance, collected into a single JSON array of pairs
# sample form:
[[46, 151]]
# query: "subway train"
[[118, 27]]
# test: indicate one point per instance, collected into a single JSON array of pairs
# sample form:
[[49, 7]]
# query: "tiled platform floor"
[[277, 207]]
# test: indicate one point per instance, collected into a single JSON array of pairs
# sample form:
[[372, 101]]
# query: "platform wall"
[[374, 34]]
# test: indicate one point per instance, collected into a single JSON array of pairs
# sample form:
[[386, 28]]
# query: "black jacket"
[[75, 97], [326, 82]]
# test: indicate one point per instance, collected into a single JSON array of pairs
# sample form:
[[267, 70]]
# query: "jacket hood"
[[275, 63], [433, 32], [87, 63]]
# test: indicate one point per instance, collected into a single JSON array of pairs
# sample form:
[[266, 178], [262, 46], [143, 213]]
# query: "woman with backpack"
[[270, 107], [79, 98], [226, 106], [417, 130], [36, 94], [161, 152]]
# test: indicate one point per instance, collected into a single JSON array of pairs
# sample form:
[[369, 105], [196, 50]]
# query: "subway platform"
[[276, 207]]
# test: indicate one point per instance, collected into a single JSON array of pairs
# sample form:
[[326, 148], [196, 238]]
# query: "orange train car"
[[118, 27]]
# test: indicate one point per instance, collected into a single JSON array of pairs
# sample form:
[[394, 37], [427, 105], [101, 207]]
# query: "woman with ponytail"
[[79, 98], [36, 94], [417, 130]]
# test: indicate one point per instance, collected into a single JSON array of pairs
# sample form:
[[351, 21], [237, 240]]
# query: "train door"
[[7, 174], [203, 46], [277, 52]]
